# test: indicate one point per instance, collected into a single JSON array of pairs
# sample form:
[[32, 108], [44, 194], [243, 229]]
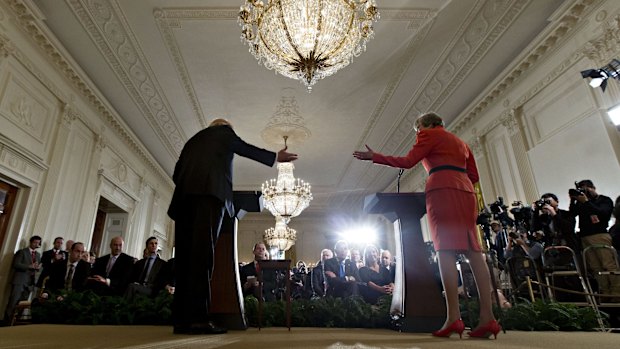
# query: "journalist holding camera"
[[594, 211], [557, 225], [519, 243]]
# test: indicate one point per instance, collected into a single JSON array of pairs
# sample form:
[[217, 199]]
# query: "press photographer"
[[557, 225], [520, 243], [594, 213]]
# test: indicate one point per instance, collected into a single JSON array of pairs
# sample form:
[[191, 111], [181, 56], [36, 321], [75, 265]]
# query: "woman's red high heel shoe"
[[485, 331], [457, 326]]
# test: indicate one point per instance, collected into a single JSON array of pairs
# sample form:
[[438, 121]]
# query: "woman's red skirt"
[[451, 215]]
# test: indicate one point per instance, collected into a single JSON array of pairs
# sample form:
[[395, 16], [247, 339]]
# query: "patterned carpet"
[[159, 337]]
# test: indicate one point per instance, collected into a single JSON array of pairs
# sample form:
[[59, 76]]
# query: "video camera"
[[498, 206], [522, 215]]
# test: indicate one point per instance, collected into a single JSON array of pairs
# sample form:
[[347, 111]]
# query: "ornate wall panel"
[[557, 106], [504, 168], [73, 178], [27, 109]]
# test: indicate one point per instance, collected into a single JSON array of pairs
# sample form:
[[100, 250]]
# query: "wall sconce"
[[599, 76]]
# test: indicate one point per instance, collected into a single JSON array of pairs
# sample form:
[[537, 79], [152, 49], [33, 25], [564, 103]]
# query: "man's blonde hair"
[[220, 122]]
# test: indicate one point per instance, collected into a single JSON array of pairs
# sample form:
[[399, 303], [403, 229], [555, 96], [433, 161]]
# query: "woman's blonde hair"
[[429, 120]]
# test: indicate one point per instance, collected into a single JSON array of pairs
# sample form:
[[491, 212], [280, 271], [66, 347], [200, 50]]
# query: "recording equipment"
[[573, 192], [539, 204]]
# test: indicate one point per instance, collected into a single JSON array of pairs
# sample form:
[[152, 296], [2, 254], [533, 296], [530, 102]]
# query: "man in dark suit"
[[71, 275], [144, 272], [54, 254], [203, 194], [248, 275], [341, 273], [26, 263], [110, 273]]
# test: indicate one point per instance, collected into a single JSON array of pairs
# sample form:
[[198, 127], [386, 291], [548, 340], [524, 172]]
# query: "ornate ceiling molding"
[[41, 37], [168, 19], [111, 33], [602, 49], [286, 121], [563, 28]]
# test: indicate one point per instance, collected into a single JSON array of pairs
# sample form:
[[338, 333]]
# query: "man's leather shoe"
[[202, 328]]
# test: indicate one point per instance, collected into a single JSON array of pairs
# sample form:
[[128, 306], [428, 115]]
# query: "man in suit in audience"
[[68, 276], [319, 286], [144, 273], [341, 273], [388, 262], [110, 273], [26, 263], [202, 196], [54, 254], [249, 272]]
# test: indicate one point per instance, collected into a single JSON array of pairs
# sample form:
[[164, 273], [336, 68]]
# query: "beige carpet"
[[147, 337]]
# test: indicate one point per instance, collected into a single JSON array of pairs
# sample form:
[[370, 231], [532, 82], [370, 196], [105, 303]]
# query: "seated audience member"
[[68, 276], [341, 273], [110, 273], [557, 225], [249, 275], [68, 245], [356, 257], [521, 244], [375, 275], [165, 278], [388, 262], [317, 277], [144, 272]]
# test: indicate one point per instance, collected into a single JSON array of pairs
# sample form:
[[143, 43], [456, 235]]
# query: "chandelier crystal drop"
[[281, 236], [286, 196], [307, 40]]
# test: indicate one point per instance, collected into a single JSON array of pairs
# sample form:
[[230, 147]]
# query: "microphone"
[[400, 173]]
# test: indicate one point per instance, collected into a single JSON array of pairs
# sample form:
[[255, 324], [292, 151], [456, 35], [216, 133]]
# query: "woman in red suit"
[[451, 211]]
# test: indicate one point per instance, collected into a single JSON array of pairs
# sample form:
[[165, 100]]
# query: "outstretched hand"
[[284, 156], [364, 155]]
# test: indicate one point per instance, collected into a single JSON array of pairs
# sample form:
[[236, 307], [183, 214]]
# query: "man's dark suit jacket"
[[245, 271], [119, 275], [22, 261], [48, 257], [338, 283], [138, 268], [269, 281], [58, 272], [205, 166]]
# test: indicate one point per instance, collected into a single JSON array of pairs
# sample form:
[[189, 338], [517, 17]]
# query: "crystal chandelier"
[[307, 39], [286, 196], [281, 236]]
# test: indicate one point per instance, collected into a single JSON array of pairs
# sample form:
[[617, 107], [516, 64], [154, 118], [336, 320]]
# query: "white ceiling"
[[169, 67]]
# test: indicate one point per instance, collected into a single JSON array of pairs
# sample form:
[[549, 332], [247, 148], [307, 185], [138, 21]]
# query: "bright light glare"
[[614, 115], [360, 235], [596, 82]]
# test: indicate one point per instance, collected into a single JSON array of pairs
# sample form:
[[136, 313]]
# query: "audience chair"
[[562, 268], [523, 270], [22, 313]]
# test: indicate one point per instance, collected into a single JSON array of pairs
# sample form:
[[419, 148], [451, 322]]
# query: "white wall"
[[64, 148]]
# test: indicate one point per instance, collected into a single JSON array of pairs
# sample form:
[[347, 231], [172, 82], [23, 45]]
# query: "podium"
[[417, 293], [227, 308]]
